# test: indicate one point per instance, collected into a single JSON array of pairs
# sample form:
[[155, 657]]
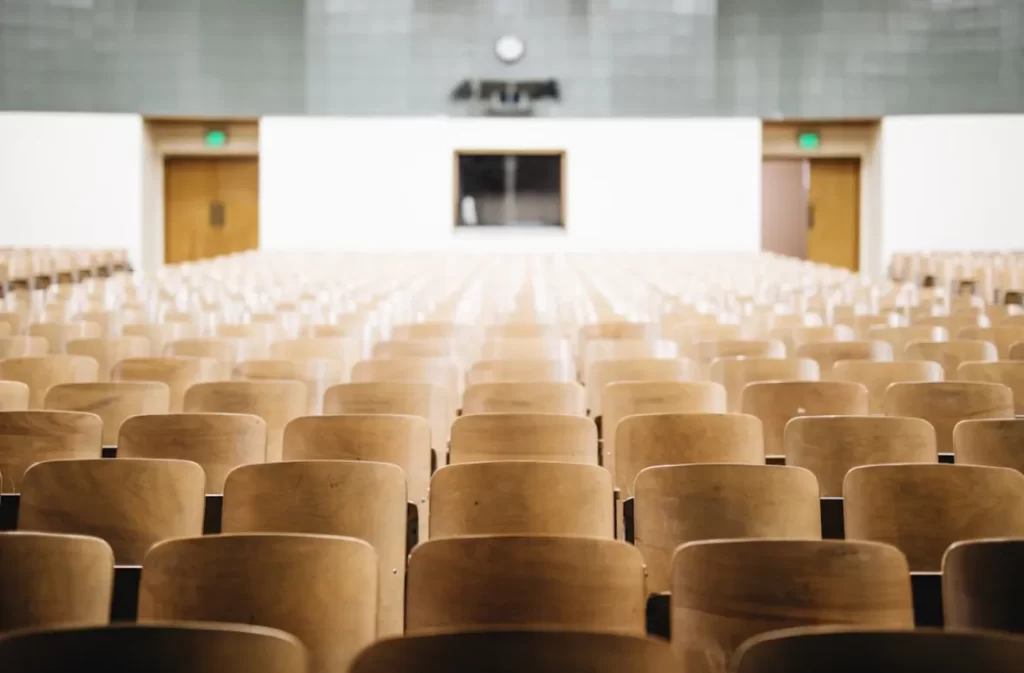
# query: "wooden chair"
[[41, 373], [828, 353], [995, 443], [276, 402], [982, 585], [532, 437], [776, 403], [414, 348], [225, 578], [648, 440], [831, 446], [109, 351], [1003, 337], [179, 373], [522, 330], [605, 372], [600, 350], [922, 509], [364, 500], [28, 437], [54, 580], [653, 397], [736, 373], [521, 498], [114, 402], [14, 321], [14, 396], [520, 371], [878, 376], [132, 504], [23, 347], [109, 321], [899, 337], [946, 404], [727, 591], [706, 352], [525, 398], [535, 651], [58, 334], [850, 650], [160, 334], [527, 349], [950, 354], [424, 400], [316, 375], [796, 337], [676, 504], [1008, 373], [164, 648], [218, 443], [344, 351], [515, 581], [224, 351]]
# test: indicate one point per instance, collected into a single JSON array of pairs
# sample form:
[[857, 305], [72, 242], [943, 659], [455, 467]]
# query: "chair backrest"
[[443, 372], [950, 354], [527, 348], [525, 398], [597, 350], [179, 373], [276, 402], [544, 437], [676, 504], [521, 498], [345, 351], [1003, 337], [519, 371], [852, 650], [726, 591], [130, 503], [159, 334], [109, 351], [424, 400], [982, 585], [28, 437], [58, 334], [364, 500], [113, 402], [899, 337], [42, 373], [216, 442], [878, 376], [50, 580], [265, 579], [778, 402], [13, 396], [515, 581], [653, 397], [605, 372], [796, 337], [707, 352], [23, 346], [946, 404], [647, 440], [736, 373], [223, 350], [163, 648], [923, 509], [831, 446], [827, 353], [317, 375], [398, 349], [992, 442], [1009, 373], [536, 651]]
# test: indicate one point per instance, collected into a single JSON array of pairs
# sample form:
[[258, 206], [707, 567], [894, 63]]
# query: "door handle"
[[217, 214]]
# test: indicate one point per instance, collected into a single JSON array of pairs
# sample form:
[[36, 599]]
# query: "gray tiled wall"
[[612, 57]]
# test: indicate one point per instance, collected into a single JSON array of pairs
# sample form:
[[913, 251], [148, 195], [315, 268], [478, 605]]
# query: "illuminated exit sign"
[[215, 138], [809, 140]]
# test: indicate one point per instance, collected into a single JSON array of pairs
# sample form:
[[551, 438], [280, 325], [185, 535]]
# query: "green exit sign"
[[809, 140], [216, 138]]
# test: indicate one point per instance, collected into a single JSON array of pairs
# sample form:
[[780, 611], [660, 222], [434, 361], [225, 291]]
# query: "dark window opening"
[[521, 190]]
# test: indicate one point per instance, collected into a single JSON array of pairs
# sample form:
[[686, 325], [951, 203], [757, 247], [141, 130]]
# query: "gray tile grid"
[[806, 58]]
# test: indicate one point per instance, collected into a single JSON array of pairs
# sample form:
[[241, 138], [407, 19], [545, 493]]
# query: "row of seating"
[[562, 442]]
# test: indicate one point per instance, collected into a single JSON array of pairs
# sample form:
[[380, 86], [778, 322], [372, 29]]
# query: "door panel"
[[784, 207], [834, 236], [211, 207]]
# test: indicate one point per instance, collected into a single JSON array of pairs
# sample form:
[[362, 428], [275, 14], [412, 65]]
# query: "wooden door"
[[834, 236], [784, 208], [211, 207]]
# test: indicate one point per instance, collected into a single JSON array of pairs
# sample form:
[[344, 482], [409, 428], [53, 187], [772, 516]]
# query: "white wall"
[[71, 180], [952, 183], [388, 183]]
